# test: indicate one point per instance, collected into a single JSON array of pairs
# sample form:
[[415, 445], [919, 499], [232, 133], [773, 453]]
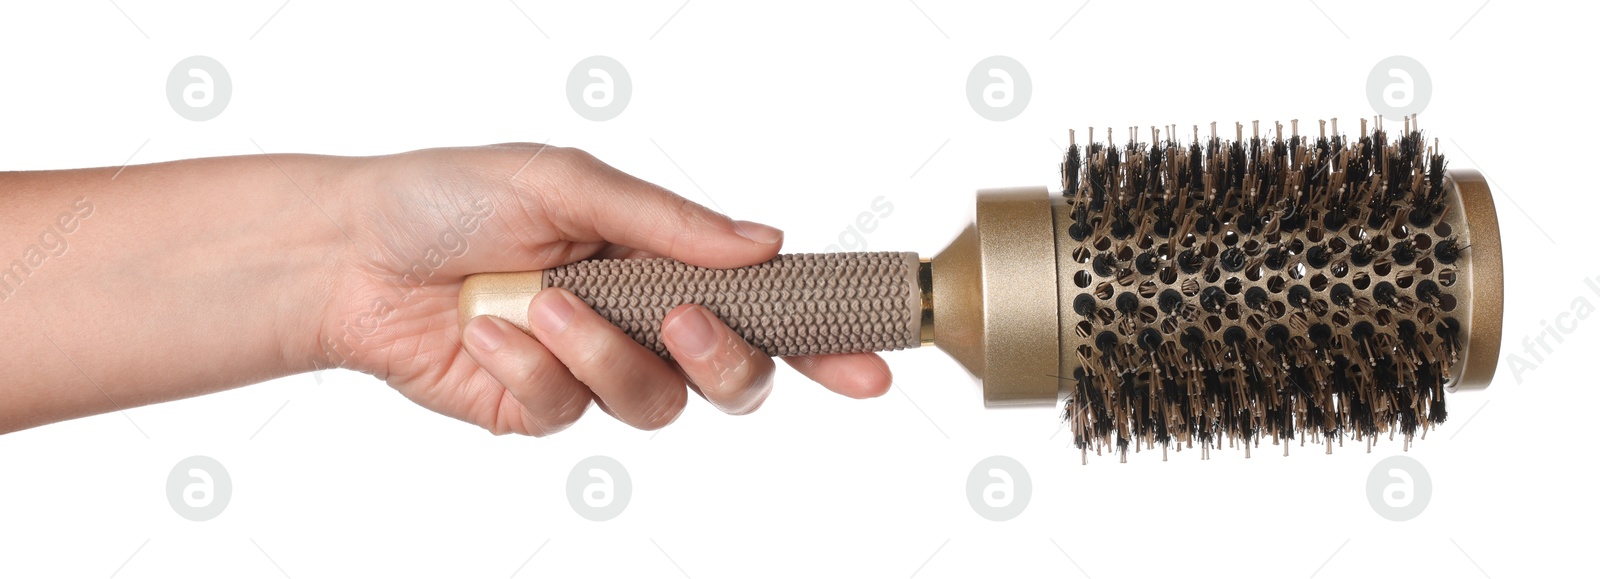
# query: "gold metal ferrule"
[[925, 288]]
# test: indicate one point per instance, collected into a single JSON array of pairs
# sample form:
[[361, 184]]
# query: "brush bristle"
[[1270, 288]]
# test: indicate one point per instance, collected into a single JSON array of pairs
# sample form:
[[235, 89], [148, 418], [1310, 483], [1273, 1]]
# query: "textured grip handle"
[[794, 305]]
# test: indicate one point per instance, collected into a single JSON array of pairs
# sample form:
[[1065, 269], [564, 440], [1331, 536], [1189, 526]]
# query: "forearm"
[[162, 281]]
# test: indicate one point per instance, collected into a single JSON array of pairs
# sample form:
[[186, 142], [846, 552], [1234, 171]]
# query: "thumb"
[[588, 200]]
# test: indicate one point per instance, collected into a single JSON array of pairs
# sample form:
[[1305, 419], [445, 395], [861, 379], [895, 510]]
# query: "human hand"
[[420, 222]]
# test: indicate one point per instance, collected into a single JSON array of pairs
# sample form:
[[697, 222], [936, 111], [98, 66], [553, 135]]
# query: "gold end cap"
[[502, 295], [1487, 278]]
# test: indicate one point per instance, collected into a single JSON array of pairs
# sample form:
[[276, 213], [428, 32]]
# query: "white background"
[[799, 115]]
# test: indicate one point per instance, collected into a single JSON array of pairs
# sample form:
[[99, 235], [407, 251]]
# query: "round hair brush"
[[1174, 294]]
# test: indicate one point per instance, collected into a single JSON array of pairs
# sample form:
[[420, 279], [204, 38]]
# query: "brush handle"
[[794, 305]]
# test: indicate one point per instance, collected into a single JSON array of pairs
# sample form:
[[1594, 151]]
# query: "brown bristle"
[[1276, 288]]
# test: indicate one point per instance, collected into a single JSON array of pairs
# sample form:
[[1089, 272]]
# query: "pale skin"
[[178, 279]]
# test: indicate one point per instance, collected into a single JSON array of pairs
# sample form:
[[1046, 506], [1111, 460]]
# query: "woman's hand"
[[420, 222]]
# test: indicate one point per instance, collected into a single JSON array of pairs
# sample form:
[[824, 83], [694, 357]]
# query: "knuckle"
[[568, 410], [546, 167], [601, 356], [550, 400], [498, 417], [528, 373], [575, 159], [591, 346], [521, 147], [664, 407], [608, 361], [580, 156]]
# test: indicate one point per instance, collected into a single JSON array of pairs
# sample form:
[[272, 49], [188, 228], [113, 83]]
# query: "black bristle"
[[1232, 259], [1212, 299], [1069, 171], [1192, 339], [1320, 334], [1247, 223], [1447, 251], [1406, 329], [1299, 296], [1318, 257], [1428, 291], [1335, 218], [1384, 293], [1079, 232], [1277, 336], [1190, 261], [1150, 339], [1362, 254], [1380, 216], [1362, 331], [1255, 298], [1276, 259], [1105, 342], [1197, 169], [1105, 265], [1127, 303], [1421, 215], [1170, 300], [1404, 253], [1234, 336], [1164, 225], [1146, 263], [1342, 295], [1436, 165], [1122, 227], [1450, 330], [1084, 304]]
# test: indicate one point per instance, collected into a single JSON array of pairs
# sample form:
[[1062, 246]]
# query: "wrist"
[[316, 256]]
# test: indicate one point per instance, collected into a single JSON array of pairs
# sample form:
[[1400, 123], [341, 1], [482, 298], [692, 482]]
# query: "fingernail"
[[486, 335], [692, 333], [763, 234], [551, 313]]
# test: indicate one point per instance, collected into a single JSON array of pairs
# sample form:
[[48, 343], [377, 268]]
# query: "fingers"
[[636, 385], [853, 375], [589, 200], [552, 399], [579, 356], [733, 375]]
